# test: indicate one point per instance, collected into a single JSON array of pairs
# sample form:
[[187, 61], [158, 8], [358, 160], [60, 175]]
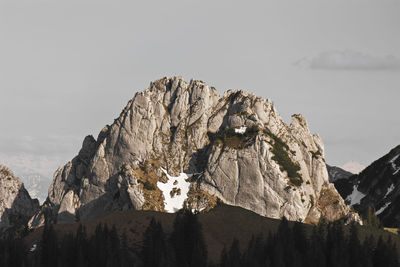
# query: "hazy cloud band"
[[349, 60]]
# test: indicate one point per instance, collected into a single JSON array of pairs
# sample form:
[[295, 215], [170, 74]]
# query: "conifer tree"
[[49, 246], [354, 246], [224, 258], [234, 255], [188, 241], [372, 220], [154, 252]]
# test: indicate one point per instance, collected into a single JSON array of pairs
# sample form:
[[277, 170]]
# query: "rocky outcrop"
[[378, 187], [16, 206], [336, 173], [236, 146]]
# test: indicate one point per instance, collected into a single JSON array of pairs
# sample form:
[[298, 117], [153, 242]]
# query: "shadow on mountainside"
[[15, 218]]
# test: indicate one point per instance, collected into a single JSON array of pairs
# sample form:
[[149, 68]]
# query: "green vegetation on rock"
[[316, 154], [281, 156], [230, 138]]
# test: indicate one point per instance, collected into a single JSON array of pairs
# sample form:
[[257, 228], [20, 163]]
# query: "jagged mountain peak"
[[233, 147], [5, 172], [16, 206]]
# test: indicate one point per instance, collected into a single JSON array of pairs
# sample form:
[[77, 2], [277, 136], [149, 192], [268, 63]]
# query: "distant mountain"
[[336, 173], [377, 186], [353, 167], [35, 171], [16, 206], [36, 184], [180, 143]]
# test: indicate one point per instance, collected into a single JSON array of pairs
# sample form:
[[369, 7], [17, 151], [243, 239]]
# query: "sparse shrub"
[[149, 186], [280, 150], [316, 154], [230, 138]]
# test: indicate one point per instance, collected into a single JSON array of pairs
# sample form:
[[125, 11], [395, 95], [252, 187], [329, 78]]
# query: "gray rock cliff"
[[16, 206], [235, 147]]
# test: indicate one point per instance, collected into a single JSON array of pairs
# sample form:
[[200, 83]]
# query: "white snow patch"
[[241, 130], [390, 189], [355, 196], [383, 208], [33, 248], [394, 166], [394, 158], [174, 203]]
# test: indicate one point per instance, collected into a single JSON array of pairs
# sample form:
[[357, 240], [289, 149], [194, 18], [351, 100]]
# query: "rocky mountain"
[[336, 173], [377, 186], [16, 206], [178, 142]]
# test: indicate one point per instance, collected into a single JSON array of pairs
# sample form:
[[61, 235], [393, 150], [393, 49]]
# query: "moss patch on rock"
[[200, 198], [147, 178], [316, 154], [230, 138], [281, 156]]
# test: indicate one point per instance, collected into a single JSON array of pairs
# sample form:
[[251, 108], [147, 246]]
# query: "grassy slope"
[[220, 226]]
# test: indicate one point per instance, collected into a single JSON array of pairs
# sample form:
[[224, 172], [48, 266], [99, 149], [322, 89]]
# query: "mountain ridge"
[[377, 187], [16, 205], [235, 147]]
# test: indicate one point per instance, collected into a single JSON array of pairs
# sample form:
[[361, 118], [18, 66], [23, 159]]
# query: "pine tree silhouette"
[[154, 252]]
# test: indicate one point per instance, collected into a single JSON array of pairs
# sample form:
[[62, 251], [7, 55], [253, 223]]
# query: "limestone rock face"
[[237, 147], [16, 206]]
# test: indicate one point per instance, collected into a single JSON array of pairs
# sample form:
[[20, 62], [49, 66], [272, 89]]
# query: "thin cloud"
[[49, 145], [349, 60], [27, 164]]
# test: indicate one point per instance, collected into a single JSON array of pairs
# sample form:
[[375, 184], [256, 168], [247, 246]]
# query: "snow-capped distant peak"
[[353, 167], [174, 191]]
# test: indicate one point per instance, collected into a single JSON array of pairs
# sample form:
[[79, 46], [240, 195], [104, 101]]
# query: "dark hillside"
[[220, 226]]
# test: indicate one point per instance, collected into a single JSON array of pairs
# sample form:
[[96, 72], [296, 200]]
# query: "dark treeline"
[[184, 247], [103, 248], [326, 246]]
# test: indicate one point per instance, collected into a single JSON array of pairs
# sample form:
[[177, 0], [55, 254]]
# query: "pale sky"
[[67, 68]]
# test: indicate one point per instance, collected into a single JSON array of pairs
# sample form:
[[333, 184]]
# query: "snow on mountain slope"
[[175, 191], [377, 186]]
